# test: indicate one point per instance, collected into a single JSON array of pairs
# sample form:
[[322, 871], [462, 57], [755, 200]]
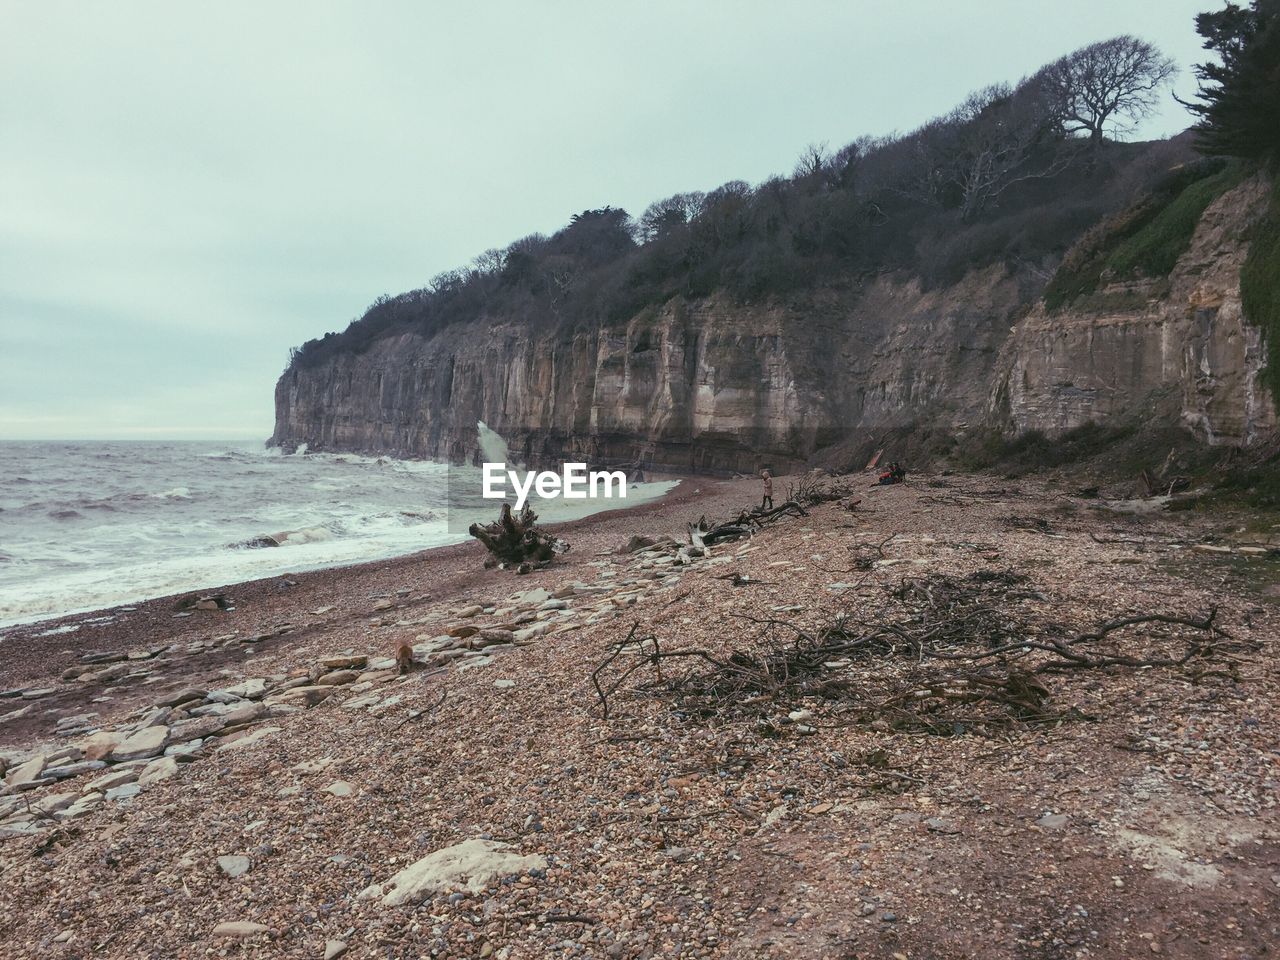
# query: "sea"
[[85, 526]]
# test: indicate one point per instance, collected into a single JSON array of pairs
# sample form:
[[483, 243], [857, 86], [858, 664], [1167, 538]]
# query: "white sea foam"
[[340, 509]]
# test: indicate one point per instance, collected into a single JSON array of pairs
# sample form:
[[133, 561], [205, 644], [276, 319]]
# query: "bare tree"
[[1106, 87], [489, 262], [997, 137], [813, 161]]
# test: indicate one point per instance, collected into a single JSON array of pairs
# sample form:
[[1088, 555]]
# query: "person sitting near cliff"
[[768, 489], [895, 474]]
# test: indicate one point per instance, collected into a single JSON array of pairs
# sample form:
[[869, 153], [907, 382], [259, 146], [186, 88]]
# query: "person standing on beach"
[[768, 489]]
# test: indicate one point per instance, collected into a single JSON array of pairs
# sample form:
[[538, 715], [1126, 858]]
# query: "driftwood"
[[958, 655], [514, 540], [703, 534]]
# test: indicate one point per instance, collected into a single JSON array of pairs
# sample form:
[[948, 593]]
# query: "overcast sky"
[[189, 189]]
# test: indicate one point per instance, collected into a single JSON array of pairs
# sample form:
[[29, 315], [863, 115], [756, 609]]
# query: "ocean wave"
[[177, 493], [66, 515], [286, 538]]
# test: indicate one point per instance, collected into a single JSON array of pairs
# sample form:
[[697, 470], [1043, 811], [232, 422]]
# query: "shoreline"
[[55, 621], [37, 648]]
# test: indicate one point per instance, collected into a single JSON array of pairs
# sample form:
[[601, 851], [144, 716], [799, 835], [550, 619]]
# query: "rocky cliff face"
[[705, 386], [715, 386], [1187, 355]]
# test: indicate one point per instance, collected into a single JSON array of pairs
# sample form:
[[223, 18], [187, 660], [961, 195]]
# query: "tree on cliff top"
[[1106, 87], [1240, 97]]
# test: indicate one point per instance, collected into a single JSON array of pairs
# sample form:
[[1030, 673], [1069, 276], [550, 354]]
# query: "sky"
[[187, 190]]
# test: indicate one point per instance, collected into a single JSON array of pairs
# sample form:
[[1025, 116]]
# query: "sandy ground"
[[1143, 822]]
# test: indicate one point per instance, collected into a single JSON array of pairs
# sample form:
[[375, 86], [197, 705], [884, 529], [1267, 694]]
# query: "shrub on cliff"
[[1145, 239]]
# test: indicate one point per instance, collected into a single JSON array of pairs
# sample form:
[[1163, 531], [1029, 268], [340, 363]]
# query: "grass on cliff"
[[1260, 287], [1146, 240]]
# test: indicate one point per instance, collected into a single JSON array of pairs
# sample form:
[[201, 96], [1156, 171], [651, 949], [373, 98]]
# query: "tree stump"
[[515, 541]]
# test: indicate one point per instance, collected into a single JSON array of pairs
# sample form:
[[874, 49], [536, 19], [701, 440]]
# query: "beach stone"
[[125, 792], [185, 695], [334, 949], [211, 709], [337, 678], [116, 778], [234, 866], [248, 739], [67, 754], [245, 713], [490, 637], [160, 769], [25, 772], [250, 689], [1053, 821], [553, 604], [153, 717], [345, 661], [462, 630], [472, 611], [111, 674], [378, 664], [531, 598], [340, 788], [148, 742], [100, 744], [531, 632], [307, 696], [98, 656], [239, 929], [36, 694], [636, 543], [197, 728], [471, 865], [74, 769], [183, 752], [51, 803], [87, 802], [309, 767]]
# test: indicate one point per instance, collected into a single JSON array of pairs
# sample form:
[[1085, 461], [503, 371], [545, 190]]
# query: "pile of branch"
[[950, 661], [515, 541], [814, 488]]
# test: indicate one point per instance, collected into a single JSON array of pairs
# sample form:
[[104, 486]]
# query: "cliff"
[[1187, 354], [690, 386], [711, 385]]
